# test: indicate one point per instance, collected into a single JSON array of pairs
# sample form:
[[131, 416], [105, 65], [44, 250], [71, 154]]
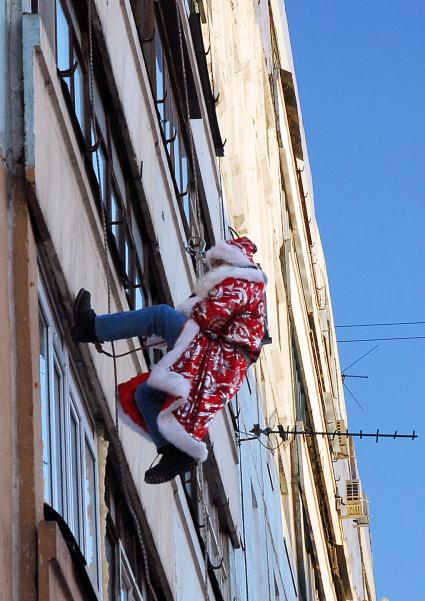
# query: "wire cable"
[[373, 325], [384, 339], [352, 395], [360, 358]]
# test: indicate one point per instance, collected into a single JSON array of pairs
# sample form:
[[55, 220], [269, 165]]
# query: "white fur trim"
[[169, 381], [173, 431], [187, 335], [187, 305], [229, 253], [176, 385], [213, 277]]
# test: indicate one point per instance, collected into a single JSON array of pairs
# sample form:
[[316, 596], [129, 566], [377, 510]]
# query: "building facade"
[[127, 129]]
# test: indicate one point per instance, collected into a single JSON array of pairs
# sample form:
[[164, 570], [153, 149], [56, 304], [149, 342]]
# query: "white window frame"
[[126, 576], [71, 403]]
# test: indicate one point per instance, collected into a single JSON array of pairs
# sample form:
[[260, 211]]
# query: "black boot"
[[172, 463], [84, 318]]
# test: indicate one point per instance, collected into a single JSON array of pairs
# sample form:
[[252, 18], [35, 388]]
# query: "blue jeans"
[[161, 320]]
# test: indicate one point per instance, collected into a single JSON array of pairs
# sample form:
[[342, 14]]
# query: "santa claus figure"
[[212, 339]]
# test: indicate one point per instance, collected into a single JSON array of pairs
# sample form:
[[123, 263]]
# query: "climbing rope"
[[205, 521], [120, 452], [196, 244], [196, 247], [194, 204]]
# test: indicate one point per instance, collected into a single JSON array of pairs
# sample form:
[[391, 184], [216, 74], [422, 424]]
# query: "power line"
[[352, 395], [372, 325], [384, 339], [360, 358]]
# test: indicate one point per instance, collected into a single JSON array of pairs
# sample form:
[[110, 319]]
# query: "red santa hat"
[[236, 252]]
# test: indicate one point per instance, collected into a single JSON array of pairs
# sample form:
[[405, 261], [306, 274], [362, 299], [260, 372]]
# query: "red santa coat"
[[207, 364]]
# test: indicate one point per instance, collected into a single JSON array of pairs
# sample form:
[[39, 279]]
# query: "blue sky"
[[360, 68]]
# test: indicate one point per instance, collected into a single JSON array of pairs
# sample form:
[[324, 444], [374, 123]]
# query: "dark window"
[[69, 58], [171, 108], [299, 392], [102, 145], [127, 577], [213, 534]]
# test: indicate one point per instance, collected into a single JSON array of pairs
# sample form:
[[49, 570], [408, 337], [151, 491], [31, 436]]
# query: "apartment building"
[[128, 128]]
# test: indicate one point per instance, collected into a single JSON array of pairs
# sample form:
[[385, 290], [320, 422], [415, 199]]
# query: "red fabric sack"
[[126, 392]]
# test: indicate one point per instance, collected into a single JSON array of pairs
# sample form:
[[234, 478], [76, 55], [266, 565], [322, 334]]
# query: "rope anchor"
[[196, 246]]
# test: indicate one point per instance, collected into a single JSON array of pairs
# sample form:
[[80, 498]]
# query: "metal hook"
[[183, 194], [162, 99], [95, 146], [169, 140], [196, 246], [216, 567], [233, 232], [68, 72]]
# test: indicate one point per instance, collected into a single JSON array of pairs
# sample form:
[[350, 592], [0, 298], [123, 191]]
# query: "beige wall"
[[7, 423]]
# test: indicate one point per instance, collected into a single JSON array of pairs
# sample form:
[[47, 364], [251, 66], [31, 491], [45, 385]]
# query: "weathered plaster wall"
[[7, 423]]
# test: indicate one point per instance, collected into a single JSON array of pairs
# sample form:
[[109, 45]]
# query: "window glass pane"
[[166, 125], [110, 560], [139, 297], [117, 169], [62, 39], [186, 207], [99, 111], [128, 260], [59, 450], [168, 132], [90, 513], [185, 169], [125, 592], [74, 20], [99, 166], [45, 413], [115, 217], [79, 96], [300, 402], [75, 478], [159, 71], [129, 589], [177, 172]]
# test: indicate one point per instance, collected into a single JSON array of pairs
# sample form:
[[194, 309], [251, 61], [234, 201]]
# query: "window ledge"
[[58, 572]]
